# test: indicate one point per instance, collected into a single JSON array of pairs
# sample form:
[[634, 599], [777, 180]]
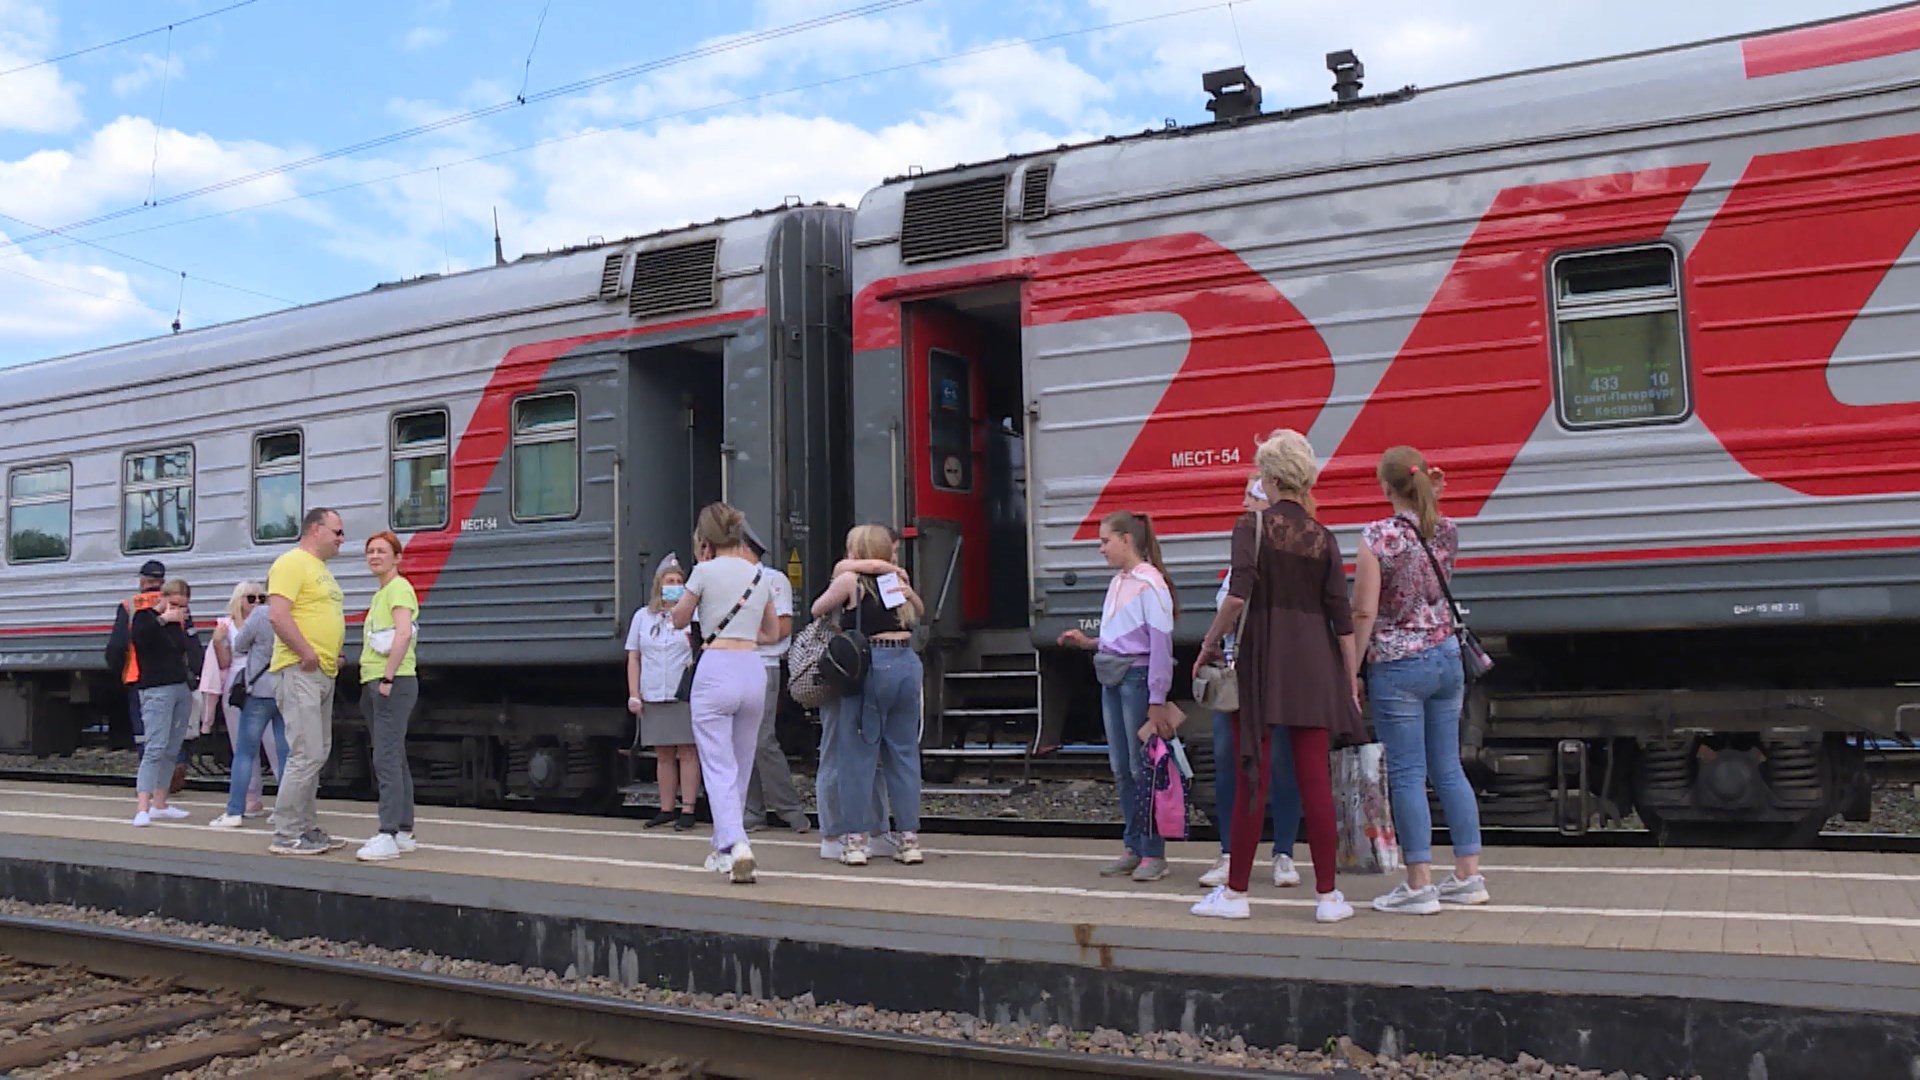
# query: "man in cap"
[[772, 780]]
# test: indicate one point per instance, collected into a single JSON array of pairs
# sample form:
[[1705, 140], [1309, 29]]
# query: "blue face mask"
[[672, 593]]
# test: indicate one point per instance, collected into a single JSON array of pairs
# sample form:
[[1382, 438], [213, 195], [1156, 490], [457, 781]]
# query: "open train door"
[[946, 460]]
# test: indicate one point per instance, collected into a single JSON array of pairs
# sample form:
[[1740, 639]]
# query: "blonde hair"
[[876, 542], [1287, 467], [237, 604], [1403, 472], [1138, 529], [720, 526], [669, 565]]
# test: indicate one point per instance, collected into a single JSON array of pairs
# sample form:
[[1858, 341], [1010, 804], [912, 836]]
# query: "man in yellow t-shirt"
[[309, 624]]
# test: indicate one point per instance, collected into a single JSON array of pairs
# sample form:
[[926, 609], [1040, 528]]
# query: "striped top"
[[1137, 621]]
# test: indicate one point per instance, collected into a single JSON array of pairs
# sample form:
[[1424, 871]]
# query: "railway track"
[[1059, 829], [256, 1005]]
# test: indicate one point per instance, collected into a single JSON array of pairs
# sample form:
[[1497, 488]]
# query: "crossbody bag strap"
[[1459, 620], [738, 604], [1240, 626]]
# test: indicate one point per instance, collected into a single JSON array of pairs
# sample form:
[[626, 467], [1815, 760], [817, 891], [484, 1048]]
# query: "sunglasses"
[[256, 598], [340, 534]]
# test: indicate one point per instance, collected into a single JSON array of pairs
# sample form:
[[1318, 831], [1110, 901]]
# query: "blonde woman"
[[1296, 661], [729, 594], [222, 668], [657, 654], [879, 727]]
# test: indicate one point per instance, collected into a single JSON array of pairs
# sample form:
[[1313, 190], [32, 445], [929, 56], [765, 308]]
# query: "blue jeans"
[[880, 733], [1123, 708], [1226, 784], [259, 713], [167, 713], [1416, 710]]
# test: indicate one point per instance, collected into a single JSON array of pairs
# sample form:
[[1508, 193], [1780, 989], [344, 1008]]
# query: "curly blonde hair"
[[1287, 465]]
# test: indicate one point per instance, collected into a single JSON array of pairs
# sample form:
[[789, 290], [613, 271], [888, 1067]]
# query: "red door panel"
[[946, 443]]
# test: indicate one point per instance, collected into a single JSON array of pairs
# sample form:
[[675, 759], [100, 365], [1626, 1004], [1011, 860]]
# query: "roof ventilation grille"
[[1033, 192], [612, 275], [954, 219], [673, 279]]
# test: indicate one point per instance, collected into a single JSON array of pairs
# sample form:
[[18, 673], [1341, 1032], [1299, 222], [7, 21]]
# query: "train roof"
[[528, 283], [1580, 100]]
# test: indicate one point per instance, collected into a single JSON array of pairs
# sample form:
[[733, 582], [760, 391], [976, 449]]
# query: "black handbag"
[[685, 691], [237, 693], [847, 659], [1474, 661]]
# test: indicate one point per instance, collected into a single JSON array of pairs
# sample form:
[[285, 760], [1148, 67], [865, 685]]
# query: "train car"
[[540, 434], [1655, 316]]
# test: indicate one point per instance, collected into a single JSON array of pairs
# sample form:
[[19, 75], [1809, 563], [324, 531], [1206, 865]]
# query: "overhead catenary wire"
[[124, 40], [97, 246], [717, 48], [81, 291], [526, 72], [159, 122], [748, 99]]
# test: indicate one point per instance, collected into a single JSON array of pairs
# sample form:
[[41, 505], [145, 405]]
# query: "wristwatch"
[[386, 682]]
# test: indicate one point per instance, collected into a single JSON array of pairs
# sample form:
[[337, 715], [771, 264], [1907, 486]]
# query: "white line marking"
[[1055, 856], [1071, 890]]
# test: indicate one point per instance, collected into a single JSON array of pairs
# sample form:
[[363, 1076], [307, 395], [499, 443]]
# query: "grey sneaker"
[[304, 845], [1122, 866], [797, 821], [1471, 891], [1405, 901], [1150, 870], [327, 843]]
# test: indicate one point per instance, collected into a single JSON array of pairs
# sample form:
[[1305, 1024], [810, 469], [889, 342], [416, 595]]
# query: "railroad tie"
[[322, 1064], [99, 999], [26, 1053], [155, 1064]]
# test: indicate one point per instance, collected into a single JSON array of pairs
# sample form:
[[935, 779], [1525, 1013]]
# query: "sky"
[[189, 150]]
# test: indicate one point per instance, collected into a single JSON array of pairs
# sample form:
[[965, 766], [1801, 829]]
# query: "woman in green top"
[[389, 691]]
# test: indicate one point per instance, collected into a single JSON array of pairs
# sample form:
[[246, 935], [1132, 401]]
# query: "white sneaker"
[[1333, 907], [226, 821], [832, 848], [380, 848], [1471, 891], [171, 813], [857, 850], [1285, 876], [907, 850], [1405, 901], [720, 862], [142, 819], [1217, 876], [740, 868], [1222, 903], [405, 842]]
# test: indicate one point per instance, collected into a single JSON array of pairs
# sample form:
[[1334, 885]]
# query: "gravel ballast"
[[1157, 1046]]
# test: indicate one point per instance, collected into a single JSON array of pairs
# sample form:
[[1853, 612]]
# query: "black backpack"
[[847, 659]]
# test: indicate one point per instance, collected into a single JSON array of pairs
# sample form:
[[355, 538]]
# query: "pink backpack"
[[1169, 795]]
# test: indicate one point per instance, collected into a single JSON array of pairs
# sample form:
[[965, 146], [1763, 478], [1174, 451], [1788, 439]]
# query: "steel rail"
[[724, 1044]]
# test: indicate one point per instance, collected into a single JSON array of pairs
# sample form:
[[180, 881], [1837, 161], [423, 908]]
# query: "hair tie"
[[1413, 470]]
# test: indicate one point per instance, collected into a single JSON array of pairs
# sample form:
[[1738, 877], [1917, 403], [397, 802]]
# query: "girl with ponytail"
[[1133, 658], [1415, 682]]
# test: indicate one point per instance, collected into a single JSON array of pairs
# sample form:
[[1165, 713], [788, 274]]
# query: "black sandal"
[[664, 817]]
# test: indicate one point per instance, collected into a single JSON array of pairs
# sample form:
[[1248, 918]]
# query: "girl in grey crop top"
[[719, 584]]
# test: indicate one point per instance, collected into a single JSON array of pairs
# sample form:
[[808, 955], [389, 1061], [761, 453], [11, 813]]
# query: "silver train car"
[[540, 434], [1654, 315]]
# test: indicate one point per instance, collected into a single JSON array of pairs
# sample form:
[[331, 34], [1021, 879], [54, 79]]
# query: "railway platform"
[[1656, 961]]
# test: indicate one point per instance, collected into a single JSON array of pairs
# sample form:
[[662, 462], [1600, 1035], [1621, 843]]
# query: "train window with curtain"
[[1621, 352], [40, 514], [156, 500], [278, 491], [419, 454], [546, 457]]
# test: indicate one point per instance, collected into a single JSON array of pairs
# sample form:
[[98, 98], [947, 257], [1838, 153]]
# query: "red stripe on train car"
[[1865, 38], [484, 442], [19, 631]]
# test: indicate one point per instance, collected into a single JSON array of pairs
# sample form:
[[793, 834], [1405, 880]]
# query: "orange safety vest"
[[139, 602]]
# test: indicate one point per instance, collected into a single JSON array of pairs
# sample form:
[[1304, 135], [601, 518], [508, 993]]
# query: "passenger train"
[[1655, 315]]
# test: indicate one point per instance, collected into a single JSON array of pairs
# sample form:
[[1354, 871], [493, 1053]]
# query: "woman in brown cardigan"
[[1297, 664]]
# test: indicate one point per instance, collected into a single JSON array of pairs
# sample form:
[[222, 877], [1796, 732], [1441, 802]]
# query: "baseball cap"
[[153, 568], [752, 538]]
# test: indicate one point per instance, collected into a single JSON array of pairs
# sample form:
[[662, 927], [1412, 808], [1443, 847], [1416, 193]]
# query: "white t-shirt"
[[664, 653], [719, 583], [782, 609]]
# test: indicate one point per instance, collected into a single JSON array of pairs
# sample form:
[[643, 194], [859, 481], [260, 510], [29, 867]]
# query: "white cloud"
[[424, 37], [51, 303], [149, 69], [37, 100]]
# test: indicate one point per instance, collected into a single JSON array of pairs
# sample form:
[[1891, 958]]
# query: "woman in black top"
[[877, 729], [166, 652]]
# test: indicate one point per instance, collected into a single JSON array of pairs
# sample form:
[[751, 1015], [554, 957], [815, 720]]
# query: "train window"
[[156, 500], [1617, 320], [950, 423], [40, 514], [419, 453], [278, 498], [546, 457]]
